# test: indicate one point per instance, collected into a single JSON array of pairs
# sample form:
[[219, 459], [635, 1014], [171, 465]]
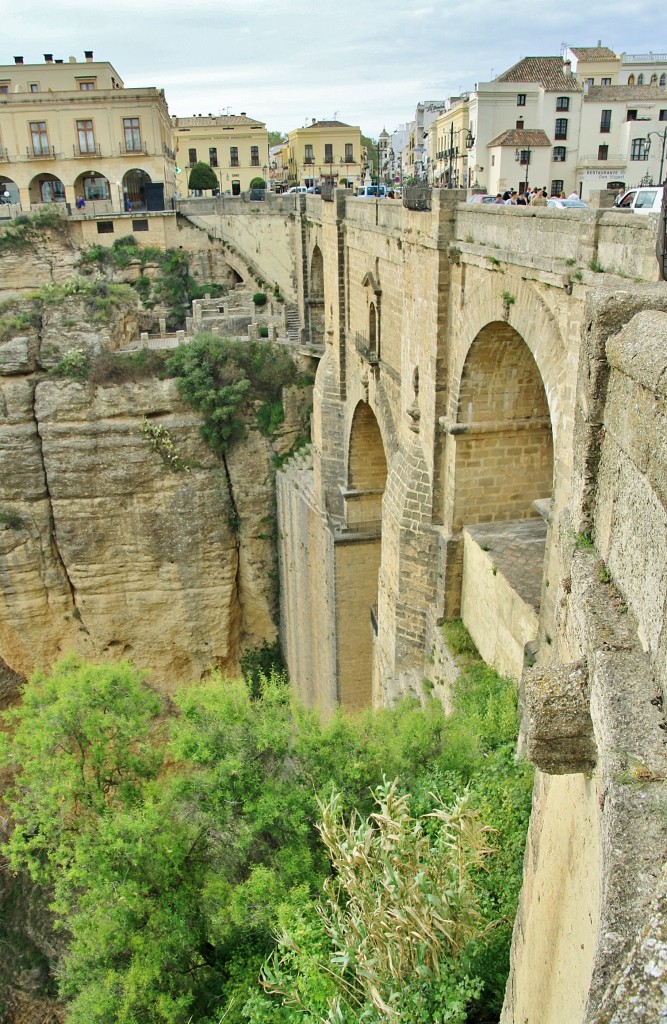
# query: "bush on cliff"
[[221, 378], [177, 847]]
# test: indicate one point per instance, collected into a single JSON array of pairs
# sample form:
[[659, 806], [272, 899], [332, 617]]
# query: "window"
[[308, 157], [560, 153], [631, 79], [603, 152], [254, 156], [562, 103], [140, 225], [557, 186], [521, 99], [192, 157], [663, 81], [213, 156], [40, 139], [662, 116], [4, 89], [640, 79], [524, 157], [638, 150], [328, 153], [105, 227], [349, 152], [605, 81], [561, 128], [86, 137], [96, 188], [590, 81], [132, 134], [605, 121], [519, 123], [86, 86], [34, 87], [234, 156], [631, 115]]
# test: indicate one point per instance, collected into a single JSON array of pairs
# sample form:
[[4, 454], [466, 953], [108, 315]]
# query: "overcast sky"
[[286, 62]]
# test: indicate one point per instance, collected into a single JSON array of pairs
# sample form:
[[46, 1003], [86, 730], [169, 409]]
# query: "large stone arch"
[[91, 185], [134, 186], [366, 463], [46, 188]]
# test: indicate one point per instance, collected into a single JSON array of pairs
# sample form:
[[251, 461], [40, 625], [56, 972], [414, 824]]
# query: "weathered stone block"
[[559, 727]]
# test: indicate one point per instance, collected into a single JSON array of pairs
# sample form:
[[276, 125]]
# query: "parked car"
[[641, 200], [295, 190], [480, 197], [371, 191], [314, 190], [567, 204]]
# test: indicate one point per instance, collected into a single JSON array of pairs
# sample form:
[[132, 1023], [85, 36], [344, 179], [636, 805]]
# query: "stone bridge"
[[489, 426]]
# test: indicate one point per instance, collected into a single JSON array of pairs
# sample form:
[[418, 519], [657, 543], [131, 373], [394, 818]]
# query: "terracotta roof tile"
[[547, 71], [609, 93], [224, 121], [521, 137], [591, 53]]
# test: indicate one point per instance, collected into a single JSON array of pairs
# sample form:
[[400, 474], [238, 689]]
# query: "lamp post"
[[522, 156], [659, 135], [470, 142]]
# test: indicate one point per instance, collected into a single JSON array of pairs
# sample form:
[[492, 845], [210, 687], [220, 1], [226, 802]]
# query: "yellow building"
[[71, 131], [235, 146], [448, 146], [325, 151]]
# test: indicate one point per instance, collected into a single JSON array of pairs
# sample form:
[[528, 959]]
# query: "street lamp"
[[659, 135], [470, 142], [522, 156]]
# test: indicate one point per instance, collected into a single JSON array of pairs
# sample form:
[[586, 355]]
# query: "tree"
[[276, 138], [203, 177], [257, 183]]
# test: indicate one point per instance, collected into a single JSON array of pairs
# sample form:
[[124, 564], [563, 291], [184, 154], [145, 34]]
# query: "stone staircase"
[[293, 323]]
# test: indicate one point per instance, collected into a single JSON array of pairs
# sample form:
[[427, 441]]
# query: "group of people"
[[531, 197]]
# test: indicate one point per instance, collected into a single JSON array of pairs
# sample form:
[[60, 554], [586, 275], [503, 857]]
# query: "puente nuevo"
[[489, 433]]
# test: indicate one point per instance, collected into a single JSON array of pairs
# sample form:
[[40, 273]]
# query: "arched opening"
[[501, 447], [372, 330], [640, 79], [357, 555], [91, 186], [134, 187], [46, 188], [316, 297], [631, 79], [9, 191]]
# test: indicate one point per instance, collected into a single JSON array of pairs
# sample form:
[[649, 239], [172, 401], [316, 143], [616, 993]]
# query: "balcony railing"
[[309, 159], [48, 153], [139, 147], [592, 159], [417, 197], [366, 349], [82, 154]]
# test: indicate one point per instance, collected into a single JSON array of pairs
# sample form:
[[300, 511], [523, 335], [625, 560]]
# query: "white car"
[[296, 190], [567, 204], [641, 200]]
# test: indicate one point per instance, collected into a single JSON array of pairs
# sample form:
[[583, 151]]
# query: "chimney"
[[567, 68], [313, 121], [243, 113], [61, 61], [88, 54], [18, 60], [48, 57]]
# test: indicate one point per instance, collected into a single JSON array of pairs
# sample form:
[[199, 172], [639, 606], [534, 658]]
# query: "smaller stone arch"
[[91, 185], [9, 190], [631, 79], [373, 298], [134, 187], [316, 296], [46, 188]]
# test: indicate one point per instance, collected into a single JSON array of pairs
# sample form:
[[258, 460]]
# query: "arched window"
[[640, 80], [631, 79], [663, 80], [373, 330]]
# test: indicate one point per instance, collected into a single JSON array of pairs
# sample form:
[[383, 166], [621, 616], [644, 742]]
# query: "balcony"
[[366, 349], [592, 160], [4, 155], [84, 154], [48, 153], [138, 148], [309, 159]]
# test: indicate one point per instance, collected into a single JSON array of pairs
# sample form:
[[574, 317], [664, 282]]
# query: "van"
[[296, 190], [641, 200], [371, 191]]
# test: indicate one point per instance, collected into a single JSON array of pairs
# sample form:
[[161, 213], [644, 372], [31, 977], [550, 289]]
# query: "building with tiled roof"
[[549, 72], [235, 146], [325, 151], [568, 122]]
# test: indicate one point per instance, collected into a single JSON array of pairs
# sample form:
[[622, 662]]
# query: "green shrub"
[[75, 364], [264, 332], [220, 378], [203, 177], [259, 298]]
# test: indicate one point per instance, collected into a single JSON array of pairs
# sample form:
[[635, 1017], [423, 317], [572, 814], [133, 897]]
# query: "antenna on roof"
[[335, 115]]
